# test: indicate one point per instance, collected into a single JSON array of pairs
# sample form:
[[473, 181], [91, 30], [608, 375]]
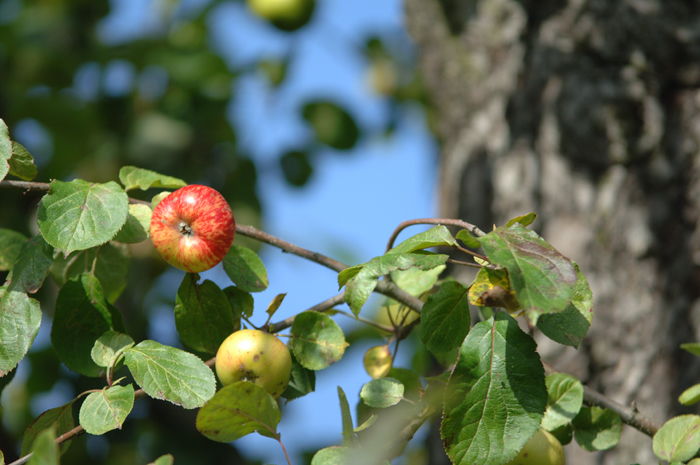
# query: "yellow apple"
[[287, 15], [256, 356], [542, 449]]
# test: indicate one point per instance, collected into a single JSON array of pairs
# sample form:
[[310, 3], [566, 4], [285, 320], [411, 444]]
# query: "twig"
[[628, 415], [45, 187], [445, 221]]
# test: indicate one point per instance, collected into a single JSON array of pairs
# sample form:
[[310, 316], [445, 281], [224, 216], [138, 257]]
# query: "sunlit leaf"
[[20, 318], [109, 347], [171, 374], [434, 237], [78, 215], [106, 410], [690, 396], [678, 440], [524, 220], [5, 150], [132, 177], [349, 437], [469, 240], [491, 288], [44, 449]]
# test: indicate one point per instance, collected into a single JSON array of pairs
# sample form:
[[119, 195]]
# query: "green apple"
[[542, 449], [377, 361], [288, 15], [256, 356]]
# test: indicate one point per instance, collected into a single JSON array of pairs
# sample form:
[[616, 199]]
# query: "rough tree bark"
[[588, 113]]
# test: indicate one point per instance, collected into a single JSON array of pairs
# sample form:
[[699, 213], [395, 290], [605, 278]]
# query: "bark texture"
[[588, 113]]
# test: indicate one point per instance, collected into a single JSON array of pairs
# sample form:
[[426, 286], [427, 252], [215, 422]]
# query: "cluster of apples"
[[193, 229]]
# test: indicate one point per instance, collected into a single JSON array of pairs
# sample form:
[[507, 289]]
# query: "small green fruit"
[[542, 449], [288, 15], [377, 361], [252, 355]]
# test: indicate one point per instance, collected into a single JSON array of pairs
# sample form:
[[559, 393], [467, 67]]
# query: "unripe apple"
[[377, 361], [193, 228], [252, 355], [542, 449], [287, 15]]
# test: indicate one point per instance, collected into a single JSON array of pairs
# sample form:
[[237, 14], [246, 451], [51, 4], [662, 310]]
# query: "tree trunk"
[[586, 112]]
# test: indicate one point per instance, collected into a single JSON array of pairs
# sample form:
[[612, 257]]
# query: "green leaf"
[[692, 347], [237, 410], [597, 429], [496, 395], [359, 288], [82, 316], [171, 374], [203, 316], [690, 396], [382, 392], [5, 150], [275, 304], [20, 318], [301, 382], [132, 177], [245, 269], [59, 418], [434, 237], [109, 347], [31, 266], [111, 267], [78, 215], [469, 240], [542, 278], [367, 423], [570, 326], [10, 245], [22, 164], [137, 227], [347, 274], [416, 281], [44, 449], [524, 220], [349, 437], [242, 303], [445, 319], [678, 440], [334, 455], [318, 340], [564, 401], [166, 459], [157, 198], [106, 410], [491, 288]]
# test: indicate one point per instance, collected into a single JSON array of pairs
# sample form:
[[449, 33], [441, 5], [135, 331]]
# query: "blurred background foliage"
[[88, 88]]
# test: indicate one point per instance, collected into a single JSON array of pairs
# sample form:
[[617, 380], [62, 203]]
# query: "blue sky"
[[352, 203]]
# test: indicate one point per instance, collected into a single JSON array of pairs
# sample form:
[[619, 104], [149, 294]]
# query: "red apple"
[[193, 228]]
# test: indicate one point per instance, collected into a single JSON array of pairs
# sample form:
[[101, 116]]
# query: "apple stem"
[[185, 229]]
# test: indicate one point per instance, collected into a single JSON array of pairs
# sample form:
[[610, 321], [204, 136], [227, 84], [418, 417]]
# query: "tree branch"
[[444, 221]]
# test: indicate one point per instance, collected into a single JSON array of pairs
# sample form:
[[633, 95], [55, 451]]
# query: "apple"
[[377, 361], [193, 228], [542, 449], [287, 15], [256, 356]]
